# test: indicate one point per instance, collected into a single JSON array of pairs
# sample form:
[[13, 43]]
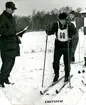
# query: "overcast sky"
[[25, 7]]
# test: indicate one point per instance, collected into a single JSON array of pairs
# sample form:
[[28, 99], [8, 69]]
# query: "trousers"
[[6, 68], [58, 52]]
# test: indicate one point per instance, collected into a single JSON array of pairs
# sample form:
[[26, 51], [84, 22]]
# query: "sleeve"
[[73, 29], [51, 28], [4, 30]]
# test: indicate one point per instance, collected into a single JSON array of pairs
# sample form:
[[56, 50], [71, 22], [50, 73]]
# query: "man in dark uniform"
[[10, 42], [75, 39], [64, 32]]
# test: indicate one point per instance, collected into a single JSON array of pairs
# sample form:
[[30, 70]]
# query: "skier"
[[75, 39], [64, 32]]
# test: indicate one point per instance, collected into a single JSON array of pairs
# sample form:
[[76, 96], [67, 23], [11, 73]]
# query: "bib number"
[[62, 35]]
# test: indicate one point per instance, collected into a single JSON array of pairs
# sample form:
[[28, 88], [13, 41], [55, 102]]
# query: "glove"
[[48, 27]]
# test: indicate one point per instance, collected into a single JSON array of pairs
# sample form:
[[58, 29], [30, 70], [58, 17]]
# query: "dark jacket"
[[53, 29], [9, 40]]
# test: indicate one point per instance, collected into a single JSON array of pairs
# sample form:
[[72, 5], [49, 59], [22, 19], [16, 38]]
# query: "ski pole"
[[69, 65], [44, 60], [79, 50]]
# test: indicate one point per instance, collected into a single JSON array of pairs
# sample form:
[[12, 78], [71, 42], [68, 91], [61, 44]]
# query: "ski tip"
[[47, 93], [70, 87], [57, 92], [79, 72], [12, 83], [81, 80], [83, 71], [41, 92]]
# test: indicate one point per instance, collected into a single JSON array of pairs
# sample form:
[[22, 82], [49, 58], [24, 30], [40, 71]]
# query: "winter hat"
[[72, 12], [62, 16], [10, 5]]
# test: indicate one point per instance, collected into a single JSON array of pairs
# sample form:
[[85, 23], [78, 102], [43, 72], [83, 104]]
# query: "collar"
[[6, 13], [63, 26]]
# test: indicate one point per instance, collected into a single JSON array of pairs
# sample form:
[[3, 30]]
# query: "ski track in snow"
[[27, 74]]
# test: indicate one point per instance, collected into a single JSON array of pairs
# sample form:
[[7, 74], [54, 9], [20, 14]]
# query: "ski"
[[44, 91], [11, 83], [62, 64], [77, 62], [6, 83], [58, 91], [83, 83]]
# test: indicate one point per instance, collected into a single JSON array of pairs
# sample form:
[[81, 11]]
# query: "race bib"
[[62, 35]]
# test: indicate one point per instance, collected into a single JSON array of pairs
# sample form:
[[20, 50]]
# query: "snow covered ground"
[[28, 71]]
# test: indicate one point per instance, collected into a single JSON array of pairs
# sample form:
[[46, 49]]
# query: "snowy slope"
[[3, 99], [28, 71]]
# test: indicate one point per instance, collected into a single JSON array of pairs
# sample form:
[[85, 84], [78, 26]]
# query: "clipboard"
[[22, 30]]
